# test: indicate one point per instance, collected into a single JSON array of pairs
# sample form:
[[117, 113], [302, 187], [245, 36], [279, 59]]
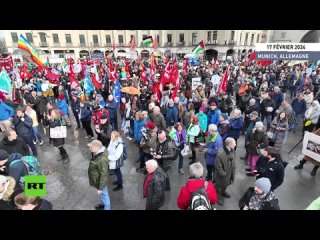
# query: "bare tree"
[[3, 47]]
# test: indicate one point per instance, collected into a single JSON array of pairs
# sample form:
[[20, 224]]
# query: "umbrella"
[[130, 90], [157, 54], [52, 76]]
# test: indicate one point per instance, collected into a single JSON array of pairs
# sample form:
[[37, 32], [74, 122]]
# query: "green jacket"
[[315, 205], [203, 121], [192, 132], [98, 170]]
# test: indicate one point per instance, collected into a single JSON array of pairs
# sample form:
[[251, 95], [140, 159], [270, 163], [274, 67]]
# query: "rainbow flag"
[[26, 46]]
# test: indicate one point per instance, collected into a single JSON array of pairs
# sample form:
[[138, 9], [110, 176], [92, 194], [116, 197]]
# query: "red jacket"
[[183, 200]]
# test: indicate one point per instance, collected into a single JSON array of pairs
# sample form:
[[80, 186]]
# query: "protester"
[[11, 143]]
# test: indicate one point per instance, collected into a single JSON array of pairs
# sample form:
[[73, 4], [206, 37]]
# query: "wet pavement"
[[68, 186]]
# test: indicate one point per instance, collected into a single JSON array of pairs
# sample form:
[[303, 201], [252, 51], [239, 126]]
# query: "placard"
[[195, 83], [311, 146], [58, 132]]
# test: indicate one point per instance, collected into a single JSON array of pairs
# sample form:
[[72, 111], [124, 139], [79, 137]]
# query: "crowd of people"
[[165, 123]]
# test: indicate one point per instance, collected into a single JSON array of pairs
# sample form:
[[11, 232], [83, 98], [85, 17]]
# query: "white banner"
[[311, 146], [58, 132], [195, 83]]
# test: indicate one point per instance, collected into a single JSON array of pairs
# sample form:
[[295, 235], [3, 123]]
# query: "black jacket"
[[23, 128], [265, 104], [256, 140], [57, 142], [15, 146], [105, 135], [274, 170], [167, 152], [156, 189], [44, 205], [75, 105], [16, 170], [40, 104]]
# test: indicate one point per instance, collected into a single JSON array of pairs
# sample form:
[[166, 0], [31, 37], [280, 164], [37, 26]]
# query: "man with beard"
[[14, 144], [104, 130]]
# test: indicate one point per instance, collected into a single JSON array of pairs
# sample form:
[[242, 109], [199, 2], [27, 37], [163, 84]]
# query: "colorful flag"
[[155, 43], [156, 89], [143, 76], [133, 44], [116, 92], [224, 82], [147, 41], [199, 48], [26, 46], [96, 72], [74, 83], [176, 79], [95, 82], [6, 62], [253, 56], [5, 82], [88, 86]]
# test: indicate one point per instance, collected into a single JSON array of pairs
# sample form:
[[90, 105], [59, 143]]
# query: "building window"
[[43, 38], [55, 38], [169, 38], [29, 37], [82, 39], [246, 39], [181, 37], [232, 35], [14, 37], [215, 35], [68, 38], [95, 38], [194, 38], [209, 36], [120, 38], [258, 38], [283, 35], [108, 39], [252, 38]]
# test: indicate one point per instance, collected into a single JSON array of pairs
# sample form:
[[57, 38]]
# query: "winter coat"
[[167, 152], [115, 150], [156, 189], [57, 142], [186, 117], [137, 128], [274, 170], [235, 127], [199, 95], [105, 134], [308, 98], [289, 113], [171, 115], [269, 202], [16, 146], [85, 114], [278, 99], [214, 143], [17, 169], [43, 205], [151, 141], [280, 134], [159, 121], [251, 125], [192, 132], [23, 128], [179, 140], [313, 114], [98, 170], [75, 106], [299, 107], [316, 132], [40, 104], [112, 108], [225, 168], [63, 107], [267, 103], [180, 109], [184, 102], [203, 121], [7, 200], [214, 116], [5, 111], [223, 129], [184, 198], [257, 139]]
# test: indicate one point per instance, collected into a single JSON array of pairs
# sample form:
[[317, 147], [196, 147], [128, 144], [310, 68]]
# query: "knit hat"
[[61, 96], [255, 113], [150, 125], [3, 155], [224, 115], [258, 125], [264, 184], [202, 108]]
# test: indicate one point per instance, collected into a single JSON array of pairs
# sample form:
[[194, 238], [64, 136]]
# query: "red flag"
[[133, 44], [224, 82], [74, 83], [95, 82], [245, 63], [143, 76], [253, 56], [155, 43], [156, 89], [127, 69], [214, 62], [265, 62], [177, 84], [185, 67], [111, 66]]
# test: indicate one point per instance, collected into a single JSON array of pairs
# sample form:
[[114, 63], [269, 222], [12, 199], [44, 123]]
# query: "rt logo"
[[35, 186]]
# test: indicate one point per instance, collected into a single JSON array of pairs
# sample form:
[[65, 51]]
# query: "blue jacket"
[[5, 111], [235, 127], [299, 107], [171, 115], [184, 102], [63, 106], [137, 127], [278, 99], [112, 108], [213, 144], [214, 116], [85, 114]]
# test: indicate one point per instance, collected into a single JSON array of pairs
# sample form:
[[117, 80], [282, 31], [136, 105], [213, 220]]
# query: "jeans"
[[104, 198], [114, 123], [298, 121], [269, 120], [180, 166], [210, 172], [76, 116], [37, 134], [30, 143], [293, 91], [118, 174]]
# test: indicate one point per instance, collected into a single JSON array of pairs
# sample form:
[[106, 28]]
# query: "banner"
[[58, 132], [195, 83], [6, 62], [311, 146]]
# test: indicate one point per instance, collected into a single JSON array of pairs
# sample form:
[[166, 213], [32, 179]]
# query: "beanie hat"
[[61, 96], [150, 125], [224, 115], [202, 108], [3, 155], [264, 184]]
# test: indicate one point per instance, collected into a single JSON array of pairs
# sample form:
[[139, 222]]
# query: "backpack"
[[32, 164], [199, 199], [176, 150], [124, 155]]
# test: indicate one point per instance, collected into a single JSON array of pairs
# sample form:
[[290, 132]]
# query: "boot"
[[225, 194], [314, 170], [300, 165], [220, 198], [99, 206], [118, 187]]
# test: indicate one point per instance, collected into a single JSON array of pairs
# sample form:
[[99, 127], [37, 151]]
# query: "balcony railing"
[[96, 44], [232, 42], [181, 44], [168, 44], [56, 44], [69, 44], [120, 45], [83, 44], [43, 44], [108, 44]]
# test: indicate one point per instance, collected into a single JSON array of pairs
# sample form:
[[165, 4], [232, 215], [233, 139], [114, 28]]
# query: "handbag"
[[270, 134], [200, 138], [185, 150]]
